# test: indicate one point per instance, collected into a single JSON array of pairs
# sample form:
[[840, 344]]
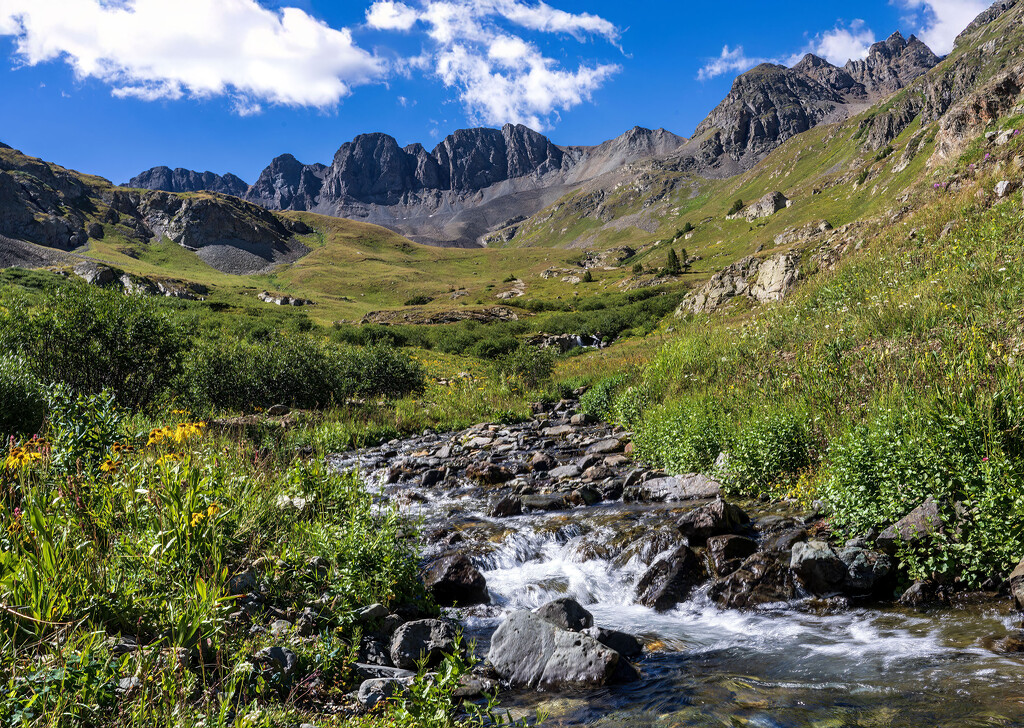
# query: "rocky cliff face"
[[185, 180], [472, 183], [772, 103]]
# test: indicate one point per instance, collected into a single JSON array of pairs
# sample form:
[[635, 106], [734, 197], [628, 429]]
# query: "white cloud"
[[388, 15], [944, 20], [842, 44], [732, 61], [154, 49], [500, 76]]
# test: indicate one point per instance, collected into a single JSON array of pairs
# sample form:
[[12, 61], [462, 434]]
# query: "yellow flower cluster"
[[179, 434], [210, 512], [21, 457]]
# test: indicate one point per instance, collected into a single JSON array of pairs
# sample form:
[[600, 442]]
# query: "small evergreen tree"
[[672, 266], [736, 207], [588, 277], [684, 258]]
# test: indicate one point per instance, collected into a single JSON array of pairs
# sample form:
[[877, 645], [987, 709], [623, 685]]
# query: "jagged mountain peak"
[[186, 180]]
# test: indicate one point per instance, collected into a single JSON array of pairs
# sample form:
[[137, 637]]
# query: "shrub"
[[22, 404], [418, 301], [588, 277], [95, 340], [597, 401], [736, 207], [684, 437], [638, 268], [298, 372], [530, 364], [82, 429], [770, 449]]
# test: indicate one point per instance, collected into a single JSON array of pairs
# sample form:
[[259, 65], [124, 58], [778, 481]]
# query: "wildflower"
[[213, 510], [168, 458], [109, 466], [197, 518]]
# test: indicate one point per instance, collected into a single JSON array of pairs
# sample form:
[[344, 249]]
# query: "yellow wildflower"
[[197, 518], [109, 466]]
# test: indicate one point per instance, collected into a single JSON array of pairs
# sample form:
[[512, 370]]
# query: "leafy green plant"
[[769, 449], [530, 364], [683, 437], [22, 400], [82, 428], [418, 301], [736, 207]]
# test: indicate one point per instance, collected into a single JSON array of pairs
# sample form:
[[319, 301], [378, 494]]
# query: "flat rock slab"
[[679, 488]]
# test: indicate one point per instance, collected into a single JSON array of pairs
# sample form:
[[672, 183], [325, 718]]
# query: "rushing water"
[[799, 664]]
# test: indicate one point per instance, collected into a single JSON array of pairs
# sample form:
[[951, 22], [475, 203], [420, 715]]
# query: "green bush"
[[298, 372], [684, 437], [588, 277], [736, 207], [95, 340], [82, 429], [768, 450], [597, 401], [530, 364], [22, 404], [418, 301]]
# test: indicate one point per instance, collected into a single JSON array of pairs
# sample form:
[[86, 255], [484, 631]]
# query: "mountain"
[[185, 180], [473, 182], [773, 103]]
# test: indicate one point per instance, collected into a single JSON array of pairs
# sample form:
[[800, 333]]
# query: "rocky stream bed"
[[606, 593]]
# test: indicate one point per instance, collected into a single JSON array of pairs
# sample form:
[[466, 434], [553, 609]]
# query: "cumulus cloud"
[[944, 20], [478, 48], [154, 49], [732, 61], [842, 44]]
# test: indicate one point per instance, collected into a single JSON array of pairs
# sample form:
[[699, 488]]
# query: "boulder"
[[818, 567], [867, 572], [1005, 188], [376, 690], [764, 578], [767, 206], [714, 519], [923, 521], [676, 488], [1017, 585], [542, 462], [527, 651], [507, 507], [567, 613], [728, 552], [424, 638], [453, 581], [565, 472], [488, 473], [670, 580], [605, 447], [277, 661], [625, 644]]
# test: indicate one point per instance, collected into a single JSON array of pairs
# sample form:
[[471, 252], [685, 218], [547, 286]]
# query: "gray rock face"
[[453, 581], [670, 580], [185, 180], [425, 638], [376, 690], [767, 206], [527, 651], [566, 613], [625, 644], [892, 64], [676, 488], [727, 552], [288, 184], [764, 578]]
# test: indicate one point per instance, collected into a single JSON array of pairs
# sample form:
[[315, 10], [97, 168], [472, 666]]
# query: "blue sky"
[[113, 87]]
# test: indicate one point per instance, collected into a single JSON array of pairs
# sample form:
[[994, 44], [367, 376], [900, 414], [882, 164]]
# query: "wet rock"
[[605, 447], [424, 638], [678, 488], [453, 581], [544, 502], [585, 496], [728, 552], [917, 595], [867, 572], [567, 613], [371, 613], [565, 472], [527, 651], [648, 545], [818, 567], [583, 419], [625, 644], [559, 431], [431, 478], [714, 519], [488, 473], [920, 523], [376, 690], [597, 473], [764, 578], [507, 507], [670, 580], [1017, 585], [542, 463], [786, 540]]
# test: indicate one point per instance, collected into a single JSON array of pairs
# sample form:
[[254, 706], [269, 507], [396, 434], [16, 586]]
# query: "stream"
[[808, 662]]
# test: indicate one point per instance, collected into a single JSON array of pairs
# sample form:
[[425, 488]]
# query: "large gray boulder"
[[764, 578], [378, 689], [675, 488], [425, 638], [528, 651], [818, 567]]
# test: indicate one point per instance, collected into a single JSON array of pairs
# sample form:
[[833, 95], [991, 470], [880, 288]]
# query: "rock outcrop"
[[761, 280], [165, 179], [892, 64]]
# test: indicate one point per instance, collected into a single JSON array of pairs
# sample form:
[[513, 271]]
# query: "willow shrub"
[[22, 403]]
